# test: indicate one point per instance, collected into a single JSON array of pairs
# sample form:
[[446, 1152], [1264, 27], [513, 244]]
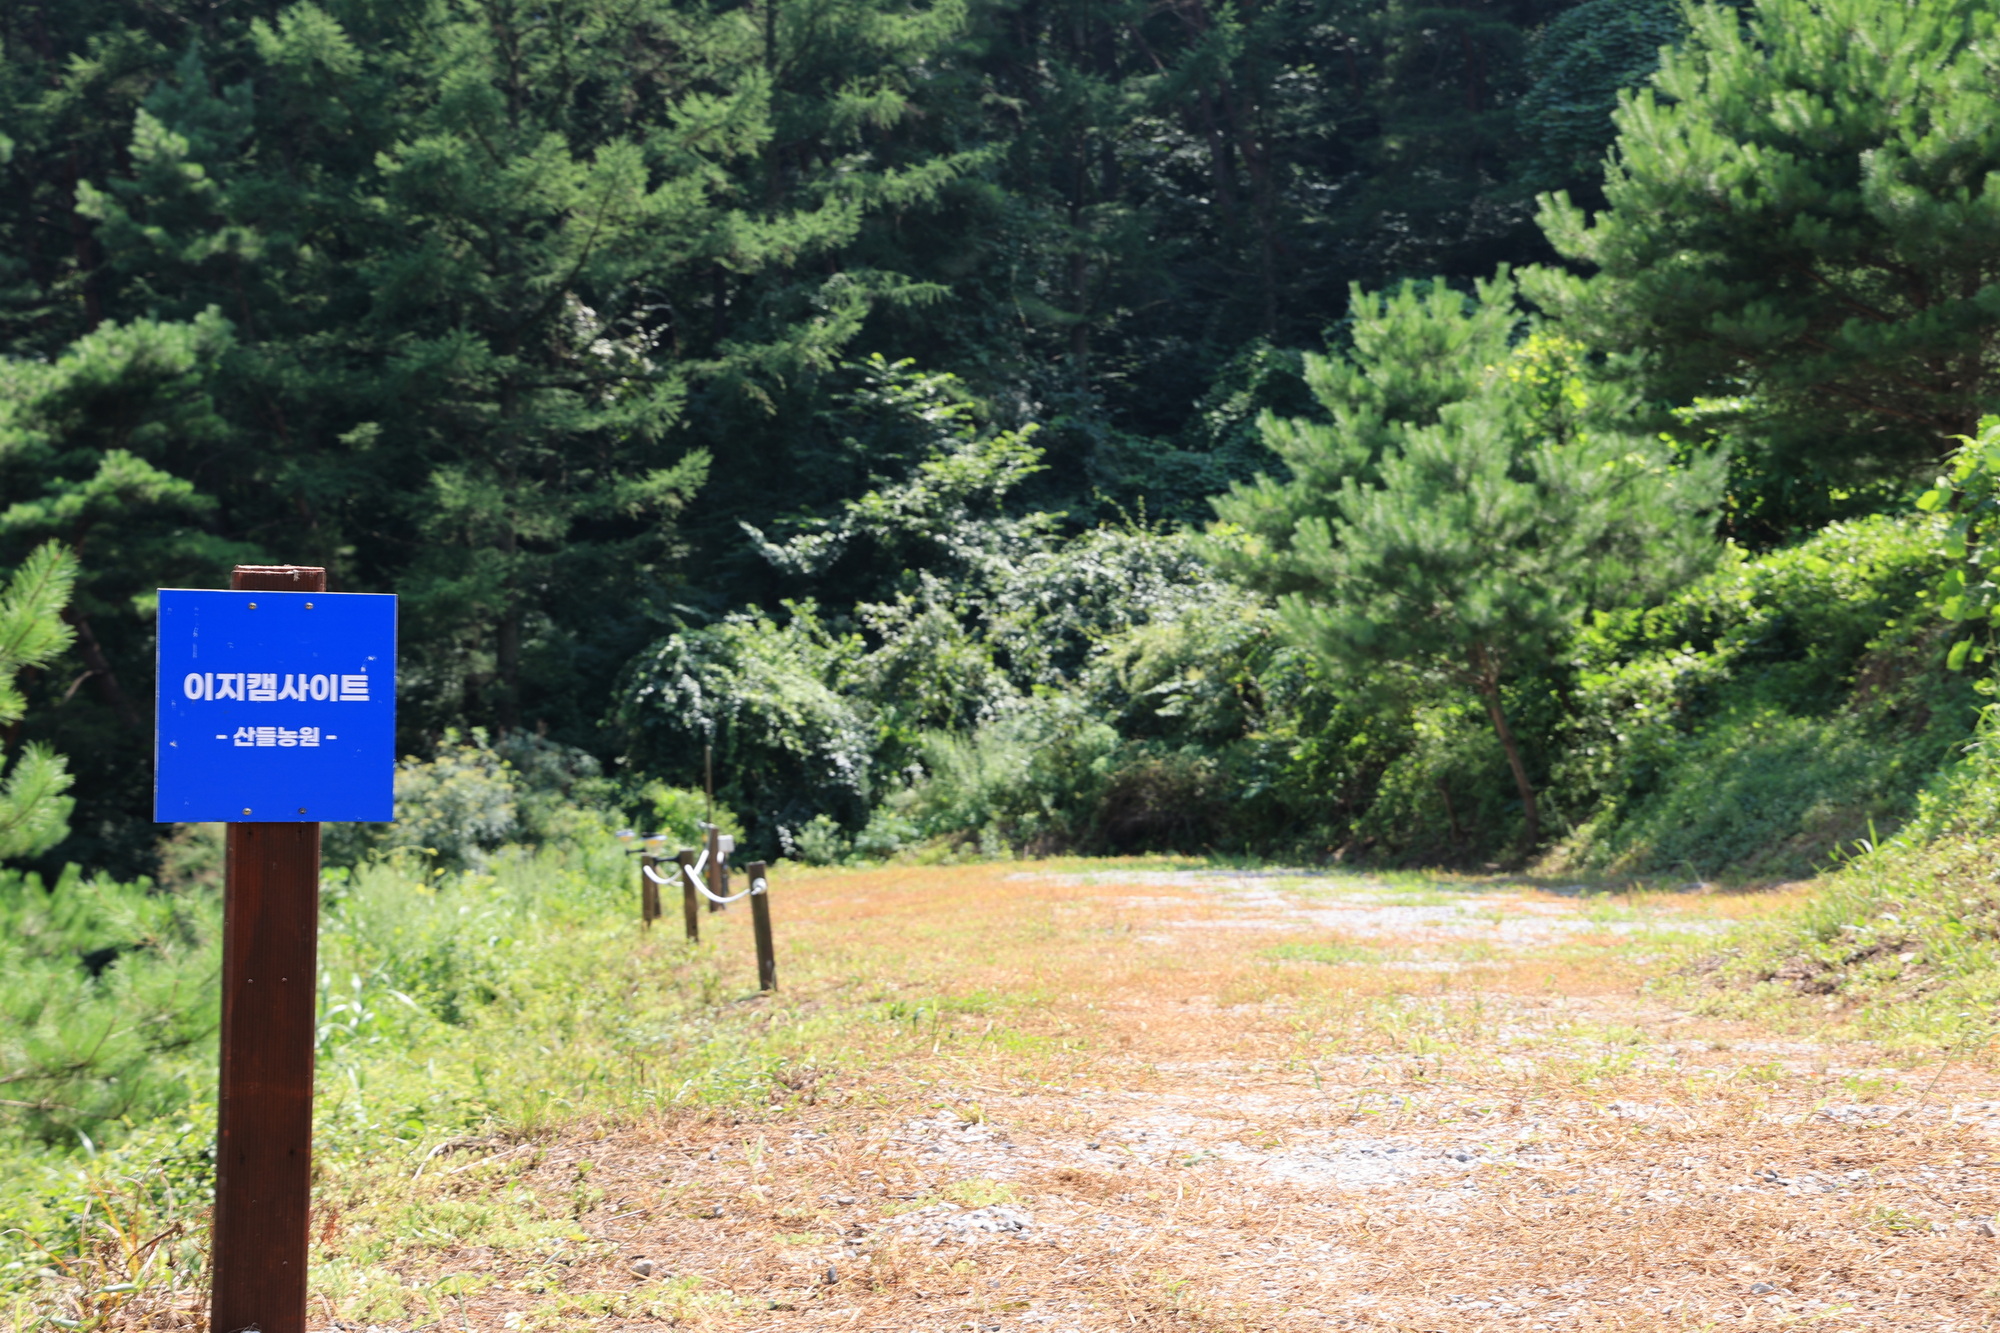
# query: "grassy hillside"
[[1903, 940], [1769, 717]]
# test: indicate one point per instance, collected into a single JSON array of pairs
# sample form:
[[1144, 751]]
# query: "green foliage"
[[820, 842], [1800, 223], [559, 789], [1806, 684], [976, 607], [34, 810], [521, 321], [788, 743], [1195, 671], [106, 990], [1582, 59], [680, 813], [1968, 497], [420, 295], [1457, 525], [1492, 533], [474, 796], [1031, 779], [1192, 728], [94, 448], [1442, 794], [1903, 941], [456, 805], [1767, 795], [1414, 350]]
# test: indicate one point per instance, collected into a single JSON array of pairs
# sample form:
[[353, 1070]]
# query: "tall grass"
[[453, 1004]]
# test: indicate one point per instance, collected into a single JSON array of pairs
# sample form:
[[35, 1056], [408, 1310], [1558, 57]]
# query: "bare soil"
[[1186, 1099]]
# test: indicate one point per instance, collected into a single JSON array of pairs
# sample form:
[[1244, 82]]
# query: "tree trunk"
[[1489, 690], [100, 667], [1451, 813], [507, 655], [507, 646]]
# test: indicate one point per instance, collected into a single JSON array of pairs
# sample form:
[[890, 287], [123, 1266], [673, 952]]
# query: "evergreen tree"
[[1414, 350], [1803, 223], [95, 448], [34, 811], [517, 311], [1462, 535], [421, 294], [1582, 59]]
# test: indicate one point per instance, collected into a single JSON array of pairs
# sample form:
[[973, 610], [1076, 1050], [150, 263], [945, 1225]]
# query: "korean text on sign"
[[274, 687]]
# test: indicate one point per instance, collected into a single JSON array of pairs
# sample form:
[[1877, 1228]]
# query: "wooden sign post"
[[270, 963], [276, 712]]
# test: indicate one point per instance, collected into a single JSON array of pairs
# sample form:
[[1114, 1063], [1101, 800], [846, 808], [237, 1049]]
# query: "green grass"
[[1902, 947], [1902, 943], [1334, 952], [455, 1007]]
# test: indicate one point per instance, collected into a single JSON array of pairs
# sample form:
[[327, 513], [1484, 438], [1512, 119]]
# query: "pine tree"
[[1804, 224], [34, 810], [1457, 532], [1415, 350]]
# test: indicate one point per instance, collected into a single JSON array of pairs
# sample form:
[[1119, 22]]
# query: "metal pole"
[[760, 926], [270, 959], [690, 909]]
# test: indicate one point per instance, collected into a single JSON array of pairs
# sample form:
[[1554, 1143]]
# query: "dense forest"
[[1459, 431]]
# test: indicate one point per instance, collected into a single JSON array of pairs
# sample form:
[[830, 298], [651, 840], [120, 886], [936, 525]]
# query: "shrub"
[[789, 744], [680, 812], [1768, 714], [818, 843], [1028, 780], [454, 808], [1176, 801]]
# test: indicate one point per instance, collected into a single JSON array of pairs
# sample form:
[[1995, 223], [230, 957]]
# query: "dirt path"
[[1190, 1100]]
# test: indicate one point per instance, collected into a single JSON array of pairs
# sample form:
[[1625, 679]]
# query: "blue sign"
[[275, 707]]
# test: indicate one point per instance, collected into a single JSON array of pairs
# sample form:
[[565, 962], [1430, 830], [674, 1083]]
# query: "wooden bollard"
[[760, 926], [649, 892], [690, 910], [718, 874]]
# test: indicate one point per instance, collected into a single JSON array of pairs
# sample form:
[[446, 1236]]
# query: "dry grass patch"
[[1088, 1096]]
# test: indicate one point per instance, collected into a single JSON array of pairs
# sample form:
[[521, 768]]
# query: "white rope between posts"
[[702, 888]]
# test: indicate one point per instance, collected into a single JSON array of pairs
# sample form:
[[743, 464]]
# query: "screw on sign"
[[276, 712]]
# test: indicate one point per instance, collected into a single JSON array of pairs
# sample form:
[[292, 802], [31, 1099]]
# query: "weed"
[[1895, 1220], [1332, 951], [1867, 1088], [980, 1193]]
